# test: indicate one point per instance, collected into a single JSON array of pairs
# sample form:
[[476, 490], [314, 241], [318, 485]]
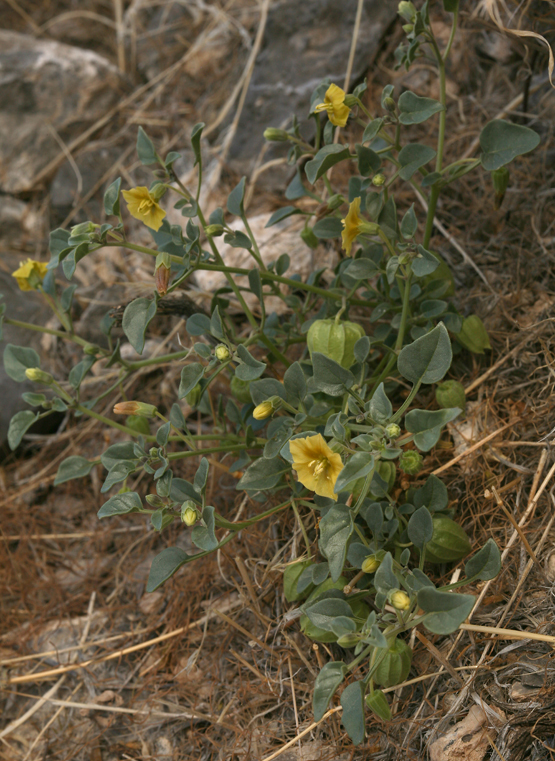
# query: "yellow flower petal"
[[338, 112], [142, 206], [30, 274], [317, 465], [351, 225]]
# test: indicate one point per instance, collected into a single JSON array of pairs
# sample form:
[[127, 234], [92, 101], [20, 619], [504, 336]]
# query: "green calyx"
[[334, 339], [241, 390], [395, 666], [450, 393], [449, 541]]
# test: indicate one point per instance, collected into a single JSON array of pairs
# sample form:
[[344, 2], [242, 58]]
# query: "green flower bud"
[[90, 350], [500, 179], [158, 190], [37, 375], [400, 600], [193, 397], [371, 564], [84, 228], [308, 237], [449, 541], [153, 452], [408, 28], [241, 390], [406, 10], [275, 135], [154, 500], [263, 410], [335, 201], [390, 104], [473, 335], [378, 180], [393, 431], [349, 640], [451, 393], [410, 462], [222, 352], [189, 513], [376, 701], [335, 339], [214, 231]]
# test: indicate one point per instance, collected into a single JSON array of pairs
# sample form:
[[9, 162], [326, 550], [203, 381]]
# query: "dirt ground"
[[213, 666]]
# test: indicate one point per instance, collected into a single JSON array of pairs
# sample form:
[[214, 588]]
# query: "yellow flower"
[[263, 410], [142, 205], [316, 464], [30, 274], [351, 225], [333, 103], [400, 600]]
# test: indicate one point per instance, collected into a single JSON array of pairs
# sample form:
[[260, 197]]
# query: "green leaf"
[[190, 376], [145, 148], [216, 325], [485, 564], [371, 130], [447, 610], [361, 349], [182, 490], [201, 476], [17, 359], [323, 612], [336, 528], [327, 228], [236, 197], [502, 141], [66, 299], [329, 376], [326, 157], [426, 425], [111, 198], [251, 368], [35, 400], [357, 466], [409, 224], [415, 110], [327, 682], [420, 527], [123, 450], [265, 388], [163, 434], [164, 566], [120, 504], [295, 384], [73, 467], [282, 213], [136, 319], [196, 134], [432, 495], [198, 324], [203, 536], [57, 245], [380, 407], [427, 359], [384, 578], [77, 373], [425, 263], [412, 157], [352, 701], [263, 474], [368, 160], [296, 189], [238, 239], [19, 425], [117, 474]]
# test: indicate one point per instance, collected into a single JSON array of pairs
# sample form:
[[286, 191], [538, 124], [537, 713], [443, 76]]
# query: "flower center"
[[145, 206], [320, 467]]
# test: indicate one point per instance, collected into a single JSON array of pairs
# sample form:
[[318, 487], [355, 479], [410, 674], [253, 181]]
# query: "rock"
[[46, 89], [282, 238], [467, 740], [520, 692], [19, 223], [303, 43]]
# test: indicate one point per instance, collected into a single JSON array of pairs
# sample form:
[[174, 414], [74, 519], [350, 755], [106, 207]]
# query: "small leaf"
[[145, 148], [136, 319], [323, 612], [427, 359], [198, 324], [190, 376], [426, 425], [124, 450], [420, 527], [17, 359], [358, 466], [502, 141], [380, 407], [352, 701], [263, 474], [111, 198], [432, 495], [236, 197], [327, 228], [121, 504], [415, 110], [327, 682], [329, 376], [384, 578], [164, 566], [282, 213], [295, 384], [485, 564], [201, 476], [251, 369], [336, 528], [196, 134], [371, 130], [368, 160], [326, 157], [265, 388], [409, 224], [73, 467], [19, 425], [447, 610], [203, 536], [425, 263], [412, 157]]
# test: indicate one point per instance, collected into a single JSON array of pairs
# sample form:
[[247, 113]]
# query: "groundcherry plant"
[[322, 411]]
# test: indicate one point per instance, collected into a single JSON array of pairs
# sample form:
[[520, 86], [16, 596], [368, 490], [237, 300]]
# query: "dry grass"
[[211, 666]]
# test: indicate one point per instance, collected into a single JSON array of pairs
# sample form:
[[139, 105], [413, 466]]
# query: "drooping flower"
[[338, 112], [142, 409], [30, 274], [351, 225], [316, 464], [143, 206]]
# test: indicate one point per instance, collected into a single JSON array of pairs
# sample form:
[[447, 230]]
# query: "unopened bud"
[[335, 201], [370, 564], [393, 431], [37, 375], [213, 231], [155, 501], [158, 190], [378, 180], [308, 237], [263, 410], [408, 28], [389, 103], [222, 352], [189, 513], [90, 350], [410, 462], [135, 408], [500, 179], [349, 640], [84, 228], [406, 10], [400, 600], [275, 135]]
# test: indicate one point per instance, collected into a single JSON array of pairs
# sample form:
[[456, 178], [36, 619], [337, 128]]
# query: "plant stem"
[[60, 333]]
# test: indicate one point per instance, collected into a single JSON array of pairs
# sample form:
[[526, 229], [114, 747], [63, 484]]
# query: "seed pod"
[[376, 701], [291, 577], [387, 471], [273, 134], [241, 390], [473, 335], [395, 667], [335, 340], [193, 397], [451, 393], [138, 423], [449, 541]]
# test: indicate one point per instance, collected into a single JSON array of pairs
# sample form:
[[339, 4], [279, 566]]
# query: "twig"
[[508, 633], [473, 448], [302, 734]]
